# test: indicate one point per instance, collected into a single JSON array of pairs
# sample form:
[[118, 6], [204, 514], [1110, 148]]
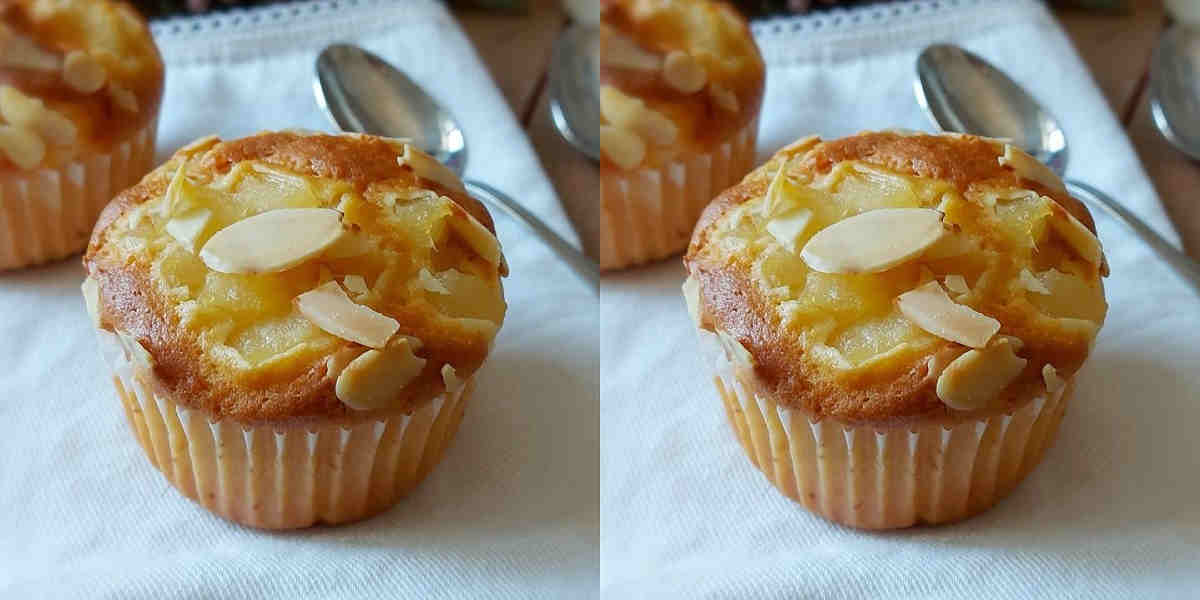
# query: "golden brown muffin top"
[[886, 276], [675, 76], [76, 77], [289, 276]]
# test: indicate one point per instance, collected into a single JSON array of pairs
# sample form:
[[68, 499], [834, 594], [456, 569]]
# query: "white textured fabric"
[[1112, 510], [511, 512]]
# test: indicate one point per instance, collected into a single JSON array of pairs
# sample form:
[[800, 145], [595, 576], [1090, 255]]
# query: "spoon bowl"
[[962, 92], [575, 89], [361, 92], [1175, 88]]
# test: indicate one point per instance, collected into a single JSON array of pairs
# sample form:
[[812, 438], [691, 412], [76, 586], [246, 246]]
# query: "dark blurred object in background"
[[166, 8]]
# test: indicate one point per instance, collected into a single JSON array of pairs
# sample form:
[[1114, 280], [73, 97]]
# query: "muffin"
[[294, 321], [681, 86], [81, 82], [896, 320]]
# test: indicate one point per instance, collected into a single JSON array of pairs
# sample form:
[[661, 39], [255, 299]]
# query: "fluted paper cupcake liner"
[[48, 214], [884, 477], [284, 477], [648, 214]]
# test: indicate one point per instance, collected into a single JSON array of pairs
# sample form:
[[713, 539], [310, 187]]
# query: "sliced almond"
[[691, 296], [327, 306], [83, 73], [619, 51], [1029, 168], [1054, 382], [18, 51], [189, 226], [957, 284], [123, 97], [624, 148], [788, 228], [1077, 235], [31, 113], [201, 144], [355, 284], [482, 241], [429, 283], [801, 145], [135, 352], [375, 379], [873, 241], [632, 114], [272, 241], [929, 308], [21, 146], [1032, 283], [774, 198], [974, 379], [336, 363], [91, 299], [724, 98], [684, 73], [450, 378], [427, 167]]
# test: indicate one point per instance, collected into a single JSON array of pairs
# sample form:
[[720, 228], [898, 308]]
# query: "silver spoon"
[[1175, 88], [575, 89], [363, 93], [962, 92]]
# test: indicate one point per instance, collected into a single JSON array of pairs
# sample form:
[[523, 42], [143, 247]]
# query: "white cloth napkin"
[[1112, 510], [512, 511]]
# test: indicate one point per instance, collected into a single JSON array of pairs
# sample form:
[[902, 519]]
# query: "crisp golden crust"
[[734, 299], [134, 300], [716, 38], [115, 37]]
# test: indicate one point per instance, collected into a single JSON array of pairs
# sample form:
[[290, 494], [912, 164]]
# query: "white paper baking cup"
[[283, 477], [48, 214], [885, 477], [648, 214]]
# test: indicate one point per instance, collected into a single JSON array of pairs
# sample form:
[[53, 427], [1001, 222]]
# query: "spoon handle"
[[1187, 268], [581, 265]]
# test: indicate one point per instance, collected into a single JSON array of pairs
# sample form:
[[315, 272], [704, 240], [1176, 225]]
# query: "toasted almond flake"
[[83, 73], [691, 296], [450, 378], [873, 241], [355, 284], [31, 113], [121, 96], [1077, 235], [1032, 283], [189, 226], [429, 283], [375, 379], [1054, 382], [801, 145], [632, 114], [977, 377], [957, 284], [724, 97], [272, 241], [788, 228], [482, 241], [427, 167], [336, 363], [91, 299], [683, 72], [18, 51], [1029, 168], [619, 51], [201, 144], [929, 308], [774, 198], [624, 148], [737, 353], [327, 306], [21, 146]]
